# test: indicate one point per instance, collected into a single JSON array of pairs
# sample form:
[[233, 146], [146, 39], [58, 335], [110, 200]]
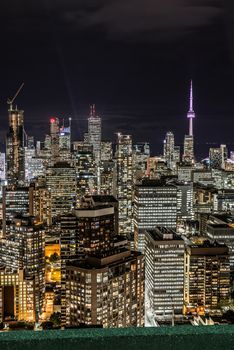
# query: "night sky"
[[132, 58]]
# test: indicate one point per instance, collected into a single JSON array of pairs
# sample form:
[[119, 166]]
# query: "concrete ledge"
[[165, 338]]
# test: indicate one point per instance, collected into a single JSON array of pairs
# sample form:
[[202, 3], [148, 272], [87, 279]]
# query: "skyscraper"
[[124, 182], [15, 147], [65, 142], [23, 249], [164, 270], [110, 287], [54, 134], [207, 277], [95, 133], [61, 182], [218, 156], [169, 145], [155, 204]]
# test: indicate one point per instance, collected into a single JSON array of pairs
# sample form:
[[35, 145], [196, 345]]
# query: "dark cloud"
[[119, 19], [129, 18]]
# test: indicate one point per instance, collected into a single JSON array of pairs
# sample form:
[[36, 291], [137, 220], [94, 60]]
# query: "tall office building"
[[15, 147], [83, 160], [16, 200], [95, 133], [188, 156], [61, 182], [155, 204], [65, 142], [2, 166], [140, 156], [164, 272], [107, 177], [169, 145], [124, 182], [54, 136], [207, 277], [176, 154], [220, 228], [218, 157], [184, 201], [106, 151]]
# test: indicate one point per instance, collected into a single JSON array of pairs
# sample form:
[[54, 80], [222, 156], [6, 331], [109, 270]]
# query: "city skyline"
[[201, 148], [116, 164], [75, 54]]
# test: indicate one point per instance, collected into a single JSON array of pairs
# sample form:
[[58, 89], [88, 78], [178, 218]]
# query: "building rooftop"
[[104, 199], [101, 260], [163, 234], [208, 248], [154, 183]]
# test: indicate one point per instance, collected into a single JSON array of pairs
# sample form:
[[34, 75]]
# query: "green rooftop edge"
[[162, 338]]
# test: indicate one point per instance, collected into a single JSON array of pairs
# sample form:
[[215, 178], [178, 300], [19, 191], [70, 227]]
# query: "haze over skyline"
[[134, 62]]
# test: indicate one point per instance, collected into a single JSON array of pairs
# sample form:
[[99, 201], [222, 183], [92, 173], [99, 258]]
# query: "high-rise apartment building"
[[207, 277], [124, 182], [164, 272], [110, 287], [17, 296], [23, 249], [87, 230]]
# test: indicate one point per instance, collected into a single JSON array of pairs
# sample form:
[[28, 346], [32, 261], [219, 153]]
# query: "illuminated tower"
[[65, 142], [124, 182], [54, 134], [15, 147], [191, 114], [169, 149], [188, 156], [94, 133]]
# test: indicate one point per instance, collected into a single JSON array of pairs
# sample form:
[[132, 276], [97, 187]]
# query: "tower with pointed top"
[[191, 114], [94, 133], [188, 156]]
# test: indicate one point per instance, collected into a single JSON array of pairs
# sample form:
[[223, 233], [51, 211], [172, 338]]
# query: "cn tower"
[[191, 114]]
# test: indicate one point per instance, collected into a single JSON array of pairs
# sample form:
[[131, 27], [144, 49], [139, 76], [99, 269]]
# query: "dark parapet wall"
[[164, 338]]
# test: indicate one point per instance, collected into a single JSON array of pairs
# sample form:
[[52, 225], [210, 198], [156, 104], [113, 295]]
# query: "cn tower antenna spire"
[[191, 114], [191, 97]]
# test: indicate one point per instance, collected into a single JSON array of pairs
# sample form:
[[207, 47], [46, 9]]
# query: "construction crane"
[[11, 100]]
